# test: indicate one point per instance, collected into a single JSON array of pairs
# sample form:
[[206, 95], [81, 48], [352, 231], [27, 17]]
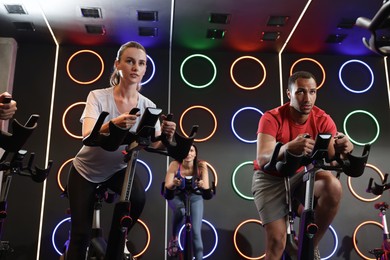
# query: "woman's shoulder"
[[145, 102]]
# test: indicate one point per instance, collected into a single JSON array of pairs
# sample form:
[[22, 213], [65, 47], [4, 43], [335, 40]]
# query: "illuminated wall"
[[225, 94]]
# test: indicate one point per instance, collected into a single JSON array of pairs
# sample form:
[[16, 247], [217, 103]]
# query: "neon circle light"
[[234, 181], [147, 240], [64, 116], [234, 117], [201, 56], [200, 107], [241, 86], [214, 173], [153, 71], [54, 234], [149, 173], [215, 234], [62, 188], [316, 62], [370, 222], [370, 115], [349, 89], [336, 243], [235, 238], [68, 219], [84, 82], [376, 169]]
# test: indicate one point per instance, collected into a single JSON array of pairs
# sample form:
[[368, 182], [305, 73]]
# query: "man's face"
[[303, 95]]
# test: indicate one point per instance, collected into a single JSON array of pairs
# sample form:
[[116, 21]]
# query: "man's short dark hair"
[[298, 75]]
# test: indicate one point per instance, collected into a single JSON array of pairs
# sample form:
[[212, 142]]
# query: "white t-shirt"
[[94, 163]]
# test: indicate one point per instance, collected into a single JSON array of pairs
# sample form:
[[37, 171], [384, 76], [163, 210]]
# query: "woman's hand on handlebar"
[[168, 127], [125, 120], [200, 184], [177, 182]]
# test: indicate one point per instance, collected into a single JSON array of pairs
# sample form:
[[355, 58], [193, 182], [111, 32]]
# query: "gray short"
[[270, 194]]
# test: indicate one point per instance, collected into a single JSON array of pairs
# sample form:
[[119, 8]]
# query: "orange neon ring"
[[214, 173], [85, 82], [354, 236], [60, 172], [360, 197], [64, 116], [208, 110], [316, 62], [235, 236], [241, 86], [148, 239]]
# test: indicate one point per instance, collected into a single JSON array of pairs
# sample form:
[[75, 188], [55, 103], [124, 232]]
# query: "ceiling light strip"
[[284, 46], [49, 128], [387, 79]]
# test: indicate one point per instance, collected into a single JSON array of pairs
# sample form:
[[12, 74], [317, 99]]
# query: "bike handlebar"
[[12, 143], [143, 137], [352, 166]]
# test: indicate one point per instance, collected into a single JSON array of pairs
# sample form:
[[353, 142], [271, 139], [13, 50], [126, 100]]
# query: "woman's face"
[[191, 154], [132, 65]]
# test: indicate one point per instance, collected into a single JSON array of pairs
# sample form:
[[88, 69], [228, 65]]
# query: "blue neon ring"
[[54, 233], [349, 89], [153, 71], [336, 243], [234, 117], [149, 172], [215, 233]]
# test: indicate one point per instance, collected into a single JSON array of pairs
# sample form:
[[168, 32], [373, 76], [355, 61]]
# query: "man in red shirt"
[[291, 124]]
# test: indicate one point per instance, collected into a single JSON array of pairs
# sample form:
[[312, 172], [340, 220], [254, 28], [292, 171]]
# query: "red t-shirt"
[[276, 122]]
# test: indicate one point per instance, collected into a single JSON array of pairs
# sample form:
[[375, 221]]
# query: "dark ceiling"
[[185, 23]]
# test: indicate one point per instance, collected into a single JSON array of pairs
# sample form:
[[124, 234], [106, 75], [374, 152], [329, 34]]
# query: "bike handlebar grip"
[[207, 194], [290, 164], [168, 193], [40, 175], [271, 165], [354, 165]]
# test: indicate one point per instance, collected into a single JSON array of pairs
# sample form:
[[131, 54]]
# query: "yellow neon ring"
[[148, 239], [360, 197], [241, 86], [354, 236], [60, 172], [214, 173], [84, 82], [208, 110], [316, 62], [64, 116], [235, 236]]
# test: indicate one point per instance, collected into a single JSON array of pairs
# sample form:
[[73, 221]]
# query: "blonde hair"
[[115, 76]]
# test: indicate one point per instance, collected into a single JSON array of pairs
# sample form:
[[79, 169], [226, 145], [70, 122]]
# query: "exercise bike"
[[114, 248], [12, 163], [382, 253], [188, 187], [302, 248]]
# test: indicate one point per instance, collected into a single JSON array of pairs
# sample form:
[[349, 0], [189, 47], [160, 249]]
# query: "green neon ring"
[[234, 181], [370, 115], [202, 56]]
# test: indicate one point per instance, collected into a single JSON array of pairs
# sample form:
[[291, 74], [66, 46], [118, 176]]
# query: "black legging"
[[81, 200]]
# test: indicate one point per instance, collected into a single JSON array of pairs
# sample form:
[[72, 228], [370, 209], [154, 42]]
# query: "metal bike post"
[[307, 227], [121, 220]]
